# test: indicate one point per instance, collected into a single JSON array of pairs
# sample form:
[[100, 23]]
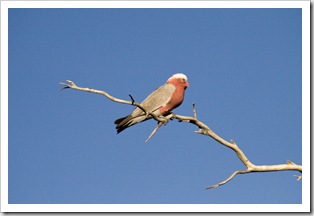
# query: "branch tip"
[[200, 131], [67, 85], [290, 162], [298, 177], [233, 142], [213, 186], [194, 110]]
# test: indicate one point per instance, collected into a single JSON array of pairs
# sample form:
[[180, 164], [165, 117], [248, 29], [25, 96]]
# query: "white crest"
[[180, 76]]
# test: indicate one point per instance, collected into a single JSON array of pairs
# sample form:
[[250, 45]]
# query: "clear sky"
[[244, 70]]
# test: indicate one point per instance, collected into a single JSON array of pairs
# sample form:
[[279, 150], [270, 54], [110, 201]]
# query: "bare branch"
[[203, 129], [72, 85], [228, 179]]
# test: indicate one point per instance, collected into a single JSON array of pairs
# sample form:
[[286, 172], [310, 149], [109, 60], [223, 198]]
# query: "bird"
[[160, 102]]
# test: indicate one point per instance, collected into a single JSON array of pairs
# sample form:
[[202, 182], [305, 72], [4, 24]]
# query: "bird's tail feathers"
[[125, 122], [118, 121]]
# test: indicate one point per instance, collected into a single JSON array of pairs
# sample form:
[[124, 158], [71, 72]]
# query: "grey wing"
[[156, 99]]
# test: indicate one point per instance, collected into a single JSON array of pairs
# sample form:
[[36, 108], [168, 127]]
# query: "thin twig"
[[194, 110], [132, 98], [228, 179], [298, 177], [154, 131]]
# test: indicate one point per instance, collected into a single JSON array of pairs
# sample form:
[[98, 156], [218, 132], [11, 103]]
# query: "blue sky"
[[244, 68]]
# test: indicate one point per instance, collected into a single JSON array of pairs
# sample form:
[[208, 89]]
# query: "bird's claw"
[[165, 120]]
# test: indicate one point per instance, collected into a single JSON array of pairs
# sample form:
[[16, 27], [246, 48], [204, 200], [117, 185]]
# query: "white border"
[[304, 207], [4, 107], [155, 4]]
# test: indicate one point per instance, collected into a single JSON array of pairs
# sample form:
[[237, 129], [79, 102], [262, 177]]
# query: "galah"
[[161, 101]]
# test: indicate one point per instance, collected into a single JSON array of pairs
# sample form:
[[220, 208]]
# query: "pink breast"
[[174, 102]]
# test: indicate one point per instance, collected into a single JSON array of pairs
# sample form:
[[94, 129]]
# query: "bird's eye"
[[183, 80]]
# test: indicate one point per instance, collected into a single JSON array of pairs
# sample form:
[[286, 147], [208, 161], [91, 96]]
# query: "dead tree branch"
[[202, 129]]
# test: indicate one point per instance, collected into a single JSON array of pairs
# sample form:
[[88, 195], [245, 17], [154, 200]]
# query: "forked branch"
[[202, 129]]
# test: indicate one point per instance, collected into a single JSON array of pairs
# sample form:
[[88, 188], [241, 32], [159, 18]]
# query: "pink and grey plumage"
[[161, 102]]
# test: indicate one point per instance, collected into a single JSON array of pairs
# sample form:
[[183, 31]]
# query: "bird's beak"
[[186, 85]]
